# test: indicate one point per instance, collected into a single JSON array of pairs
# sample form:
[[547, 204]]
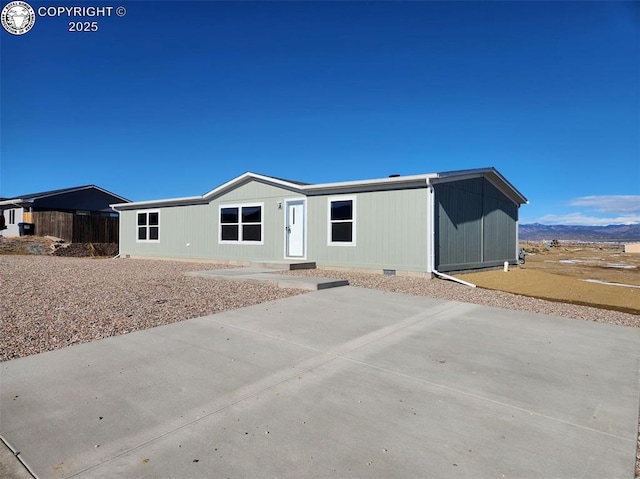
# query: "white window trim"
[[148, 226], [353, 220], [240, 206], [11, 220]]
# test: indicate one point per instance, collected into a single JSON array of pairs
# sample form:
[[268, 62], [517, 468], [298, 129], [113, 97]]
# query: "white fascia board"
[[490, 173], [191, 200], [17, 202], [227, 185], [344, 186], [520, 198], [523, 199], [187, 200], [249, 176], [337, 187], [12, 201], [470, 172], [376, 182]]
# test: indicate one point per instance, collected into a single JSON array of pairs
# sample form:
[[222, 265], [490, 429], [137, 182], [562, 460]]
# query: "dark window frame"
[[338, 231], [244, 226], [148, 226]]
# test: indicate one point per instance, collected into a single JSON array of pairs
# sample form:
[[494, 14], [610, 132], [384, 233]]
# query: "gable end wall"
[[476, 225]]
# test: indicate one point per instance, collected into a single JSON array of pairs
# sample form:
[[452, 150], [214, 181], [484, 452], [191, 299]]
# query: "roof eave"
[[375, 183], [188, 200], [344, 187], [245, 177], [489, 172], [47, 194], [16, 202]]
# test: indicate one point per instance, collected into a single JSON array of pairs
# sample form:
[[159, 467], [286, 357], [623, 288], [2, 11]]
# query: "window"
[[342, 213], [12, 217], [241, 224], [149, 226]]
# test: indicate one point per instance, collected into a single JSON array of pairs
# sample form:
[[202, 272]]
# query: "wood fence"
[[76, 228]]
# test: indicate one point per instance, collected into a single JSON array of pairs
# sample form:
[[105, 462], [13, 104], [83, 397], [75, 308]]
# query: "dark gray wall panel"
[[459, 222], [87, 199], [475, 225]]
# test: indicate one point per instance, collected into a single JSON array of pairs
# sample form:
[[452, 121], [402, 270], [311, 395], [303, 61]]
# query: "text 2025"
[[83, 26]]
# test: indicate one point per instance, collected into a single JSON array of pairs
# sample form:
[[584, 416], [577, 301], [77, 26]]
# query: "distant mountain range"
[[616, 233]]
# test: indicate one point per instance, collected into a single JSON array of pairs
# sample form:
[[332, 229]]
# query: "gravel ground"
[[55, 302], [449, 290]]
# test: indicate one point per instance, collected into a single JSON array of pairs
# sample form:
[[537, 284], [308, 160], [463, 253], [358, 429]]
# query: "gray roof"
[[395, 182], [49, 193], [30, 197], [39, 198]]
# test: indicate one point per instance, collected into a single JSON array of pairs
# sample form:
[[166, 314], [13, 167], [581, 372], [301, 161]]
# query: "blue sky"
[[175, 98]]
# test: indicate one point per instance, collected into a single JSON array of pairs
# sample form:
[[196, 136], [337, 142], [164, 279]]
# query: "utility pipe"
[[452, 278], [432, 246]]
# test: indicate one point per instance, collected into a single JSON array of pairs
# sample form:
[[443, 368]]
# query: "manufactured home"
[[418, 224]]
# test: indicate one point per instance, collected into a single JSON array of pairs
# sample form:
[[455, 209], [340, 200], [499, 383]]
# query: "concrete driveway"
[[345, 382]]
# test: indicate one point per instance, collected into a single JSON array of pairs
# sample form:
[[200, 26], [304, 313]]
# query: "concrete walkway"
[[267, 275], [346, 382]]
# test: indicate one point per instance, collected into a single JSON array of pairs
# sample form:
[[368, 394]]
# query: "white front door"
[[295, 228]]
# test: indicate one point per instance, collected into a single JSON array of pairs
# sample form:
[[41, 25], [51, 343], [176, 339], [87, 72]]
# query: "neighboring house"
[[79, 214], [447, 221]]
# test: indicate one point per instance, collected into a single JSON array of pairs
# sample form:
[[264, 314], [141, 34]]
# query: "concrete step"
[[256, 275], [284, 265]]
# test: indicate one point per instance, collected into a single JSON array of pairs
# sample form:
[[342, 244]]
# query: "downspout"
[[432, 252], [119, 231], [518, 236]]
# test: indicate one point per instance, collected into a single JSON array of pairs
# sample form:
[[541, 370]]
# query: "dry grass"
[[555, 287], [559, 274]]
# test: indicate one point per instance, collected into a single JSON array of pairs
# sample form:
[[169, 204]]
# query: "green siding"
[[273, 218], [391, 231], [179, 225], [197, 225]]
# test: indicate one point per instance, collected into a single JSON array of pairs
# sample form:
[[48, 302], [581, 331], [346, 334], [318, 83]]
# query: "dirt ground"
[[47, 245], [561, 273]]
